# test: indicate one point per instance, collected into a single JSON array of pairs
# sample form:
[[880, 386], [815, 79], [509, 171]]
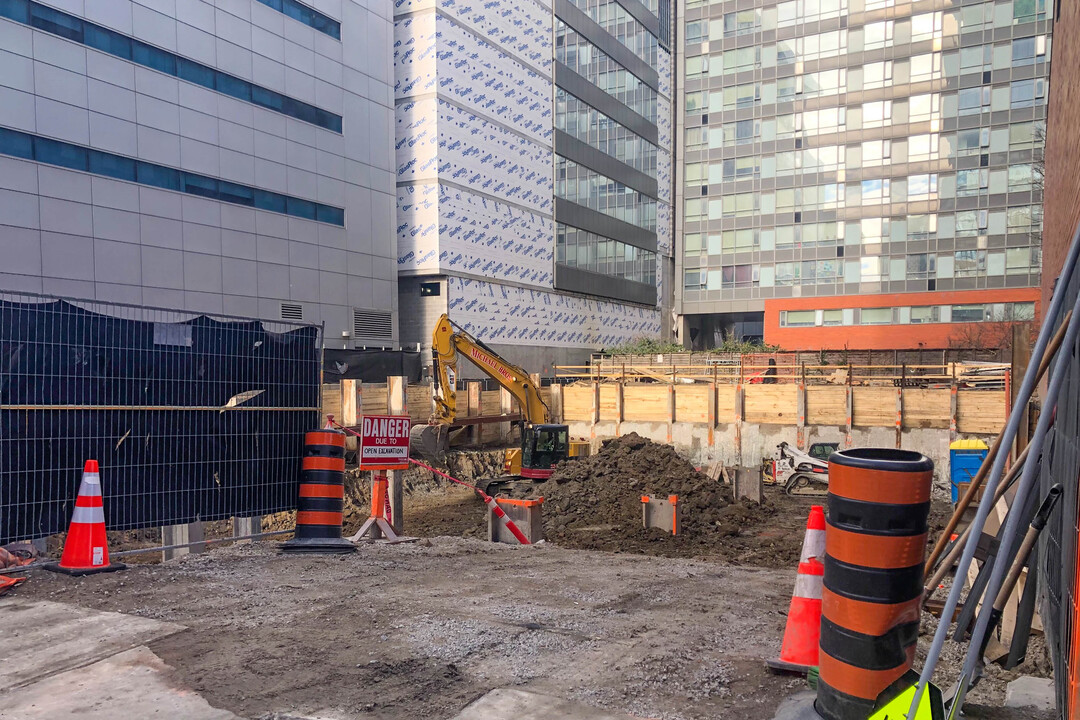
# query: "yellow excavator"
[[543, 444]]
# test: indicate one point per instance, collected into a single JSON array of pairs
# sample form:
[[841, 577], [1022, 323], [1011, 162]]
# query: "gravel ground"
[[421, 630]]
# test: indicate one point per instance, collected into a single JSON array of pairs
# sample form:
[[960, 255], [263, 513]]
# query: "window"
[[975, 59], [1027, 93], [969, 263], [971, 101], [1024, 219], [1023, 311], [75, 157], [922, 147], [1028, 11], [877, 75], [800, 318], [968, 313], [785, 89], [874, 269], [926, 26], [973, 141], [692, 280], [1030, 133], [832, 317], [921, 266], [878, 35], [739, 96], [971, 222], [972, 182], [1021, 261], [1020, 178], [923, 108], [697, 101], [1027, 51], [82, 31], [926, 314], [743, 22], [875, 190], [696, 31], [307, 15], [876, 316], [922, 186], [877, 114]]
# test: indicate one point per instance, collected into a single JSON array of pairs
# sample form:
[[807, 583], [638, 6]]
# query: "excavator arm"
[[448, 341]]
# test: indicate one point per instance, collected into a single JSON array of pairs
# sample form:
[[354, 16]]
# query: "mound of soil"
[[595, 503]]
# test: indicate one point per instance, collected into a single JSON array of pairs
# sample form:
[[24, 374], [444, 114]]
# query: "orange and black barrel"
[[875, 542], [322, 495]]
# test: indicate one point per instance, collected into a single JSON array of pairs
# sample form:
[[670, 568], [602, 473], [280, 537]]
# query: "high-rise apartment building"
[[225, 156], [534, 172], [860, 173]]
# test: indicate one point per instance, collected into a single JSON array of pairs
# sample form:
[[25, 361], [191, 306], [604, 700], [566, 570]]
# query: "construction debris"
[[595, 503]]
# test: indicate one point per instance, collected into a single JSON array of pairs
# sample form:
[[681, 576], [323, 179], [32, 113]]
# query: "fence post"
[[190, 534], [397, 393], [712, 407], [246, 526], [900, 405], [351, 409], [620, 406], [595, 416], [671, 406], [557, 404], [954, 415], [800, 402], [850, 401], [739, 408], [475, 430], [506, 406]]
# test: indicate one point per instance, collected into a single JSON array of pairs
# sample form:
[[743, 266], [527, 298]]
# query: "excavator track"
[[803, 483]]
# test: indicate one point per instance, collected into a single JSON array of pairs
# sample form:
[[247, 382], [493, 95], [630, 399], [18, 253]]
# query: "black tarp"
[[371, 365], [158, 467]]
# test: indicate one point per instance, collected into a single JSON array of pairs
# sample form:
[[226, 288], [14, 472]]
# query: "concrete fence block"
[[528, 515], [663, 513]]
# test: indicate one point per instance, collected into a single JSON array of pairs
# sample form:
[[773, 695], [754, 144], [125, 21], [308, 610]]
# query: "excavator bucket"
[[430, 442]]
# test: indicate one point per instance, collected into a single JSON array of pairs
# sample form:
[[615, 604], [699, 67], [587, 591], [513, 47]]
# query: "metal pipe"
[[977, 481], [1012, 522], [1057, 301]]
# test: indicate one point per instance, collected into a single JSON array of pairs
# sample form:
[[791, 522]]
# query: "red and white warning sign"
[[384, 442]]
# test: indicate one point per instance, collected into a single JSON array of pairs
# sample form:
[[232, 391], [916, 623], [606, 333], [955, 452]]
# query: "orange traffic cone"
[[799, 652], [813, 545], [86, 550]]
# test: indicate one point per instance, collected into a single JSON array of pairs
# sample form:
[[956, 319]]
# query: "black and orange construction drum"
[[875, 540], [322, 494]]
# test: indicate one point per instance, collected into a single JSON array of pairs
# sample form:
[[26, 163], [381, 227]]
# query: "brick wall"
[[1062, 181]]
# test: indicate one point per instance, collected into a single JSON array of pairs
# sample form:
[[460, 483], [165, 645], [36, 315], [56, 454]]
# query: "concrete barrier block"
[[663, 513], [528, 515]]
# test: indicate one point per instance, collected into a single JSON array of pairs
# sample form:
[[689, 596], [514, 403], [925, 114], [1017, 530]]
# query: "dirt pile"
[[595, 503]]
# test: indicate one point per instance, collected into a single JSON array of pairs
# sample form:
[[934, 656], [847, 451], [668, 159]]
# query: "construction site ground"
[[648, 628]]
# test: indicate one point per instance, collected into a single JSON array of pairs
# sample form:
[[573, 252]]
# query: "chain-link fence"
[[1057, 562], [191, 417]]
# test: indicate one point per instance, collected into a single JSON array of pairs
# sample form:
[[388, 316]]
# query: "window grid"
[[75, 157], [86, 33]]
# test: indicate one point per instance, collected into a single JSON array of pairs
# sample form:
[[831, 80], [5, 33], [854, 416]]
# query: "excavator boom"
[[447, 343]]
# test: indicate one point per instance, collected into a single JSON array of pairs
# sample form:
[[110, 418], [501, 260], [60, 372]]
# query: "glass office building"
[[854, 164]]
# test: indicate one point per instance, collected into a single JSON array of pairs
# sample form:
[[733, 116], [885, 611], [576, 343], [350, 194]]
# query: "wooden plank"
[[692, 403], [772, 404], [926, 408], [490, 402], [725, 404], [826, 405], [645, 402], [874, 407], [419, 399], [331, 401], [577, 403], [608, 407], [980, 411], [374, 399]]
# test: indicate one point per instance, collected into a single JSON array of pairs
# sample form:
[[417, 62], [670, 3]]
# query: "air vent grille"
[[373, 324], [292, 311]]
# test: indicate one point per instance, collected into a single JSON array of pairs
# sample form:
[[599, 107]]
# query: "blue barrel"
[[965, 459]]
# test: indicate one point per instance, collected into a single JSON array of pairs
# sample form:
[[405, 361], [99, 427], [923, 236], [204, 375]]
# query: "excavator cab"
[[543, 446]]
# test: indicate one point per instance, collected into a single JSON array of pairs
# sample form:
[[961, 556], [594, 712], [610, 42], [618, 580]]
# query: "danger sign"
[[384, 442]]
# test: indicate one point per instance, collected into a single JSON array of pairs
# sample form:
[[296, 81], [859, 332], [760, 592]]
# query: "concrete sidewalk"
[[522, 705], [69, 661]]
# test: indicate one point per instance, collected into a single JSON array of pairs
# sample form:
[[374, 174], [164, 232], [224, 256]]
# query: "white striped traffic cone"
[[799, 652], [86, 549], [813, 545]]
